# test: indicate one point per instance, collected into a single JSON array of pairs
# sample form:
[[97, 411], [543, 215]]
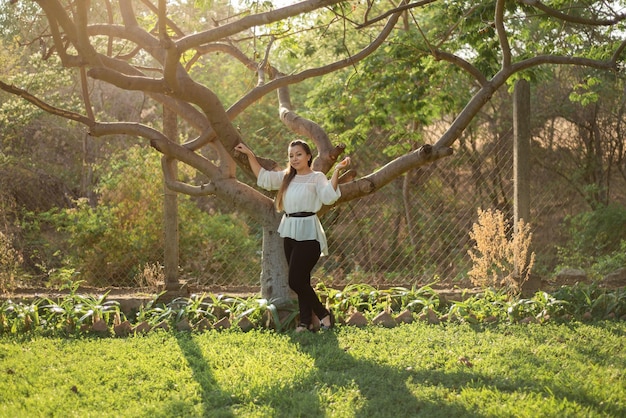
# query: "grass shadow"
[[382, 389], [211, 394]]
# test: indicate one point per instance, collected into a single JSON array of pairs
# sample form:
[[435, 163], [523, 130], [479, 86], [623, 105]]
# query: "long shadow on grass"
[[382, 390], [211, 394]]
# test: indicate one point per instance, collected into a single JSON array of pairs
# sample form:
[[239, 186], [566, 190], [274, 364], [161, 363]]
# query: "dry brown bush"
[[500, 261]]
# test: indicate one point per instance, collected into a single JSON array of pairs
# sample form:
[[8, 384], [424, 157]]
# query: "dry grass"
[[152, 276], [501, 257], [10, 260]]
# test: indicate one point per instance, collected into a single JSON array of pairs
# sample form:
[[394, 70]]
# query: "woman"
[[301, 194]]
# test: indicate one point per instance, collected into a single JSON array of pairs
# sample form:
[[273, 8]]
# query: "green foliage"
[[78, 314], [43, 79], [593, 301], [596, 240], [113, 241], [66, 315]]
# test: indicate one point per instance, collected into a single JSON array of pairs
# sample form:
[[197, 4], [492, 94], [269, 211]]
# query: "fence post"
[[521, 152], [170, 214], [521, 156]]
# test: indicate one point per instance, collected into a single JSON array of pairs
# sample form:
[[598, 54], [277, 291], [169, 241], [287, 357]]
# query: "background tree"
[[138, 46]]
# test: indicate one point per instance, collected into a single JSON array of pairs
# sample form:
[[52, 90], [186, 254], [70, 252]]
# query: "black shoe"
[[331, 316]]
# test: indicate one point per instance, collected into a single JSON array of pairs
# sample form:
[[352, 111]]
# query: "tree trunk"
[[170, 212], [274, 282]]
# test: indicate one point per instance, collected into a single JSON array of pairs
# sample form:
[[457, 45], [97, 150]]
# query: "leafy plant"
[[489, 306], [597, 240], [87, 312], [593, 301], [16, 318]]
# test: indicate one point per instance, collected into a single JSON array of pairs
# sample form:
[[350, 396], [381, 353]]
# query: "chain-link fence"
[[413, 231]]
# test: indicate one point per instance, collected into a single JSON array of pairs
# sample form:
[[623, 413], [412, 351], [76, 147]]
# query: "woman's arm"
[[254, 163], [342, 165]]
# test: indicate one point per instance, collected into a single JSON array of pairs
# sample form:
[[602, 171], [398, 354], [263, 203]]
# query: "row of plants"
[[76, 314]]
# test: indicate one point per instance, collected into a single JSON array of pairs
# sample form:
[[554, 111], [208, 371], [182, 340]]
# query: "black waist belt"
[[300, 214]]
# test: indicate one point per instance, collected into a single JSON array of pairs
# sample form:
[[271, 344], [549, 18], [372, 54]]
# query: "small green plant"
[[18, 317], [596, 240], [500, 261], [82, 312], [489, 306]]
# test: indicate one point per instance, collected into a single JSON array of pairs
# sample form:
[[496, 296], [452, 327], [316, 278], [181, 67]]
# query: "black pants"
[[301, 258]]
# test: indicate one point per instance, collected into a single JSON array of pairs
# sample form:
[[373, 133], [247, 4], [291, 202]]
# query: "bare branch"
[[167, 20], [85, 94], [285, 80], [129, 82], [221, 32], [264, 64], [488, 89], [573, 19], [504, 42], [159, 142], [461, 63], [399, 9], [45, 106]]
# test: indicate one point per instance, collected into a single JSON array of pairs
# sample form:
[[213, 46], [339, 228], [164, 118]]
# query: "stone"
[[385, 319], [223, 323], [203, 325], [142, 328], [405, 317], [100, 326], [245, 324], [161, 325], [430, 316], [357, 319], [122, 329], [615, 279], [183, 325], [569, 277]]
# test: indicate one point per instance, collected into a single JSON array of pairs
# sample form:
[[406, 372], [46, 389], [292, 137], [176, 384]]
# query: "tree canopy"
[[411, 61]]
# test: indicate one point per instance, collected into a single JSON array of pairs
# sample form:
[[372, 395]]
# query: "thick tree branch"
[[129, 82], [373, 182], [285, 80], [486, 92], [159, 142]]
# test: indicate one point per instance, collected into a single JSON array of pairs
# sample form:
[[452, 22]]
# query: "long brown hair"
[[291, 173]]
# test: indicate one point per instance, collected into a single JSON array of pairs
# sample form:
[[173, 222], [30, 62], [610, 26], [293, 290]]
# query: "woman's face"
[[298, 158]]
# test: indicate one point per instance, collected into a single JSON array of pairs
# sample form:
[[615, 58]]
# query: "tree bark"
[[274, 285], [170, 212]]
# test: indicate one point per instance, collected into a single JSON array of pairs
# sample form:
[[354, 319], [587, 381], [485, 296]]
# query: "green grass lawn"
[[417, 370]]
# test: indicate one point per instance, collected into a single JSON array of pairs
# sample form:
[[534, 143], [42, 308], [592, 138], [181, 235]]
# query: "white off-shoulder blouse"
[[306, 193]]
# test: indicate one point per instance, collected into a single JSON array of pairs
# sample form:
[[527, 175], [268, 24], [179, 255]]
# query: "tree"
[[140, 46]]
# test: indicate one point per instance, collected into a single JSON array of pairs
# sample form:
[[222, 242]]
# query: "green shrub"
[[596, 240], [111, 243]]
